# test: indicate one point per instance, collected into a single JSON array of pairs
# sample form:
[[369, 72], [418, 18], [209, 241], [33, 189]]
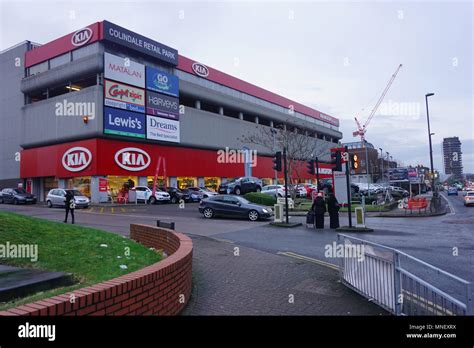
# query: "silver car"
[[57, 197]]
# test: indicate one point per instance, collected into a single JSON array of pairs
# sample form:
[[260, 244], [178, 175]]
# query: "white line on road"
[[453, 212]]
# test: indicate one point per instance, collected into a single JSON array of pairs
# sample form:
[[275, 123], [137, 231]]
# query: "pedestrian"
[[319, 208], [333, 210], [70, 205]]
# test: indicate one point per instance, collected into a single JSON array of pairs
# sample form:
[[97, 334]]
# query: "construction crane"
[[362, 129]]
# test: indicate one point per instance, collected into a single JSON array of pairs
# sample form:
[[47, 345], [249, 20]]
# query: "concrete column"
[[256, 119], [198, 104], [241, 115], [142, 181], [96, 195], [200, 182], [62, 183], [221, 110], [173, 181]]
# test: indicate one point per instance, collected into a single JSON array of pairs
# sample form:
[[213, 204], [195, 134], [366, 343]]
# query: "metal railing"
[[401, 283]]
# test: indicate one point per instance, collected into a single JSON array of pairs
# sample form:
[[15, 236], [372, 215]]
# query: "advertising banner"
[[125, 123], [160, 81], [134, 41], [103, 183], [159, 128], [162, 105], [398, 174], [124, 70], [413, 175], [119, 95]]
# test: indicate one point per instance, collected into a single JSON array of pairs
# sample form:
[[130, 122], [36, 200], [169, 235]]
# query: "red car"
[[309, 189]]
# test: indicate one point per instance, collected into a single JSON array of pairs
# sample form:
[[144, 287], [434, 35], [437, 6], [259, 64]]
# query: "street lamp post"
[[431, 147], [381, 160]]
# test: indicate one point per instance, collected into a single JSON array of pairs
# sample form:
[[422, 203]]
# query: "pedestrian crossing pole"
[[348, 184], [285, 168]]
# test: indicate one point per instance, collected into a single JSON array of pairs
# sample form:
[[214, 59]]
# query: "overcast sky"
[[334, 56]]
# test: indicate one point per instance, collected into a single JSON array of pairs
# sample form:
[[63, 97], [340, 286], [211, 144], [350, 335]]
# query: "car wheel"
[[237, 191], [174, 200], [259, 189], [208, 213], [152, 200], [253, 215]]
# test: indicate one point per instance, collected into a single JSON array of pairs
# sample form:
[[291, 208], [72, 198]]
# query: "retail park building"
[[104, 106]]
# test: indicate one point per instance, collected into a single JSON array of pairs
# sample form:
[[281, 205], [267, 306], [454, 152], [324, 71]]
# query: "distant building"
[[452, 156]]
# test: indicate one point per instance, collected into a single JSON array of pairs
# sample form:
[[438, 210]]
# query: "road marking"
[[101, 210], [112, 210], [426, 304], [453, 212], [309, 259], [123, 210]]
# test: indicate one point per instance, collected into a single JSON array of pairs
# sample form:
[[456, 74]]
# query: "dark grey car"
[[233, 206], [16, 196]]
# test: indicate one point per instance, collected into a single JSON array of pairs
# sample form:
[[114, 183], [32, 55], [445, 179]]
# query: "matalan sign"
[[81, 37], [132, 159], [76, 159]]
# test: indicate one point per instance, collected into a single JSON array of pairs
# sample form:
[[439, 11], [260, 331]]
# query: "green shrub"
[[260, 198]]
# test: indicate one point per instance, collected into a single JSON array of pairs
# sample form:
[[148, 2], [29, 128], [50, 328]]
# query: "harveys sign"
[[76, 159], [200, 69], [132, 159], [81, 37]]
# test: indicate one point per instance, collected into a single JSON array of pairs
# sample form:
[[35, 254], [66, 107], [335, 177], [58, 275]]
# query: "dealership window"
[[38, 68], [185, 182], [212, 183], [82, 184], [120, 185], [60, 60], [85, 51], [49, 183], [267, 181], [160, 181]]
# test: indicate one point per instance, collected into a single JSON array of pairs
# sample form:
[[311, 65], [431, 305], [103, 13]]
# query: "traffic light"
[[277, 161], [311, 167], [354, 161], [336, 161]]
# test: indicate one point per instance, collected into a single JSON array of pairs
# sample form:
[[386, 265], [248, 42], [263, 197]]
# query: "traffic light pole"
[[285, 168], [348, 184], [317, 173]]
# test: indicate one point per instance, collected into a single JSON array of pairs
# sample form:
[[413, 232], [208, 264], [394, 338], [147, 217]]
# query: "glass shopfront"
[[185, 182], [212, 183], [49, 183], [267, 181], [160, 181], [82, 184], [120, 185]]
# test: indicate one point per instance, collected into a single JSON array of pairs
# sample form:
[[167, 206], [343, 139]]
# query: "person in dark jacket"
[[333, 210], [319, 208], [70, 205]]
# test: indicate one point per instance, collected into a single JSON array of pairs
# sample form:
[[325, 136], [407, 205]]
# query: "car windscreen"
[[20, 191], [76, 192]]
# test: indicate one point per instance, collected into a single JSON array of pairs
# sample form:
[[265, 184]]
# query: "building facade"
[[452, 157], [104, 107]]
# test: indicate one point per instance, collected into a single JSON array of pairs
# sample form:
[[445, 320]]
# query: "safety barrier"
[[401, 283]]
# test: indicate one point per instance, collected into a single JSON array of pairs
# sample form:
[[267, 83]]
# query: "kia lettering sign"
[[123, 96], [162, 129], [81, 37], [200, 69], [162, 105], [160, 81], [76, 159], [132, 159], [125, 123], [124, 70], [137, 42]]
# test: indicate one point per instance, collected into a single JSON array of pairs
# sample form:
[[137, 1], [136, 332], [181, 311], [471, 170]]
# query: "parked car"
[[144, 193], [204, 190], [57, 197], [404, 192], [274, 190], [176, 194], [300, 191], [16, 196], [233, 206], [240, 186], [194, 196], [452, 191], [469, 198]]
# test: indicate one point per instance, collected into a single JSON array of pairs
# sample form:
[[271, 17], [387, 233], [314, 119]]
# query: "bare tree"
[[300, 145]]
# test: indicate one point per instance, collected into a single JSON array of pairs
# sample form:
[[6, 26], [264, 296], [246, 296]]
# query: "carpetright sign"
[[122, 96]]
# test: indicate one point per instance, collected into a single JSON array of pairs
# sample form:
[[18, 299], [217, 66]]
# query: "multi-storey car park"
[[104, 107]]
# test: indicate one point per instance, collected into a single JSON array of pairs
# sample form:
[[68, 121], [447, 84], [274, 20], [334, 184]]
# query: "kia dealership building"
[[103, 108]]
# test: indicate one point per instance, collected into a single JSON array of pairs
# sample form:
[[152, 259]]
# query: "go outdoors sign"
[[160, 81], [127, 38]]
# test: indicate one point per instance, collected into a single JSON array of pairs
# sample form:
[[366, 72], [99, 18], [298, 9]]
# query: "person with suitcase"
[[319, 208], [310, 219]]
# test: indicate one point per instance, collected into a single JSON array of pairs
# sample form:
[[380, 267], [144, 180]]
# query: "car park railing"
[[401, 283]]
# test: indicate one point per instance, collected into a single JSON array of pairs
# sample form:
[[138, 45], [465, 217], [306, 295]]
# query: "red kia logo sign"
[[76, 159], [81, 37], [132, 159], [200, 69]]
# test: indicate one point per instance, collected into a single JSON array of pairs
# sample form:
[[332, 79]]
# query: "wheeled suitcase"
[[310, 219]]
